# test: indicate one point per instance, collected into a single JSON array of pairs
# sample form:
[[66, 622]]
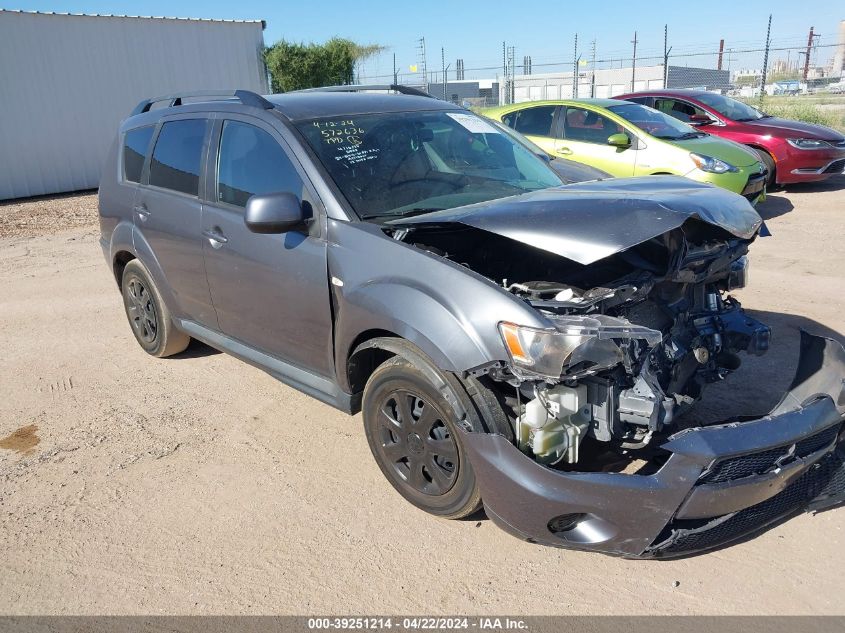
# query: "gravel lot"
[[199, 484]]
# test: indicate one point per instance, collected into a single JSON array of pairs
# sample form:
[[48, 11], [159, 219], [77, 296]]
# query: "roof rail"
[[405, 90], [246, 97]]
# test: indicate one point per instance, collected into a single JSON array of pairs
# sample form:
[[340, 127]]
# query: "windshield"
[[407, 163], [730, 108], [655, 122]]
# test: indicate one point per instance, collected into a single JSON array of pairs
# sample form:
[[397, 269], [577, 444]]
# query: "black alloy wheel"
[[416, 442]]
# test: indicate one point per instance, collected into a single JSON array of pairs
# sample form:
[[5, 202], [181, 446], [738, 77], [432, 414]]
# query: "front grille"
[[826, 478], [752, 464], [835, 167], [754, 186]]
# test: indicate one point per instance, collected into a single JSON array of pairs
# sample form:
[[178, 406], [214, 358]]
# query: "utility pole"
[[421, 52], [443, 66], [810, 43], [512, 69], [721, 51], [575, 69], [593, 70], [504, 86], [766, 58], [395, 77], [666, 52], [634, 63]]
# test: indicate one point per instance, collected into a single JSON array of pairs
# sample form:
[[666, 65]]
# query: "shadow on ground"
[[197, 349], [835, 183], [774, 206]]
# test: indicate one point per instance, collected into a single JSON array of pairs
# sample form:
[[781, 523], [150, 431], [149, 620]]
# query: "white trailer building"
[[66, 81]]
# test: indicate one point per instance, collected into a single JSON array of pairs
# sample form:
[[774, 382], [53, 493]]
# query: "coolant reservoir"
[[562, 402], [553, 429]]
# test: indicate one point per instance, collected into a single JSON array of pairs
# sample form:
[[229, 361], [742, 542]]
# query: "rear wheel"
[[412, 433], [149, 318]]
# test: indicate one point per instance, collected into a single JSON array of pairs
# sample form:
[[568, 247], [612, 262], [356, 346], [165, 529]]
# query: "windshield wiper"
[[407, 213]]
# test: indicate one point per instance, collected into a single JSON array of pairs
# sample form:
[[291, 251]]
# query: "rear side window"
[[681, 110], [177, 156], [534, 121], [135, 144], [252, 162]]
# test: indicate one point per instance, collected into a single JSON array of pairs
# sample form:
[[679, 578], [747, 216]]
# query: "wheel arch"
[[373, 347], [119, 261]]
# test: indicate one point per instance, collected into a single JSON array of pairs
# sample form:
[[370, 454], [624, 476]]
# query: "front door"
[[168, 213], [583, 138], [269, 291]]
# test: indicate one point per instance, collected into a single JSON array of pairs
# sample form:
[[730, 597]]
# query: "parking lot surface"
[[198, 484]]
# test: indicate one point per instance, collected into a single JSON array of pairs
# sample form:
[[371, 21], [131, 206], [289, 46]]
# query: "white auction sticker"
[[474, 124]]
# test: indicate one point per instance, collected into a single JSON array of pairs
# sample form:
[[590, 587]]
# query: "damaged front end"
[[716, 483], [635, 292], [632, 339]]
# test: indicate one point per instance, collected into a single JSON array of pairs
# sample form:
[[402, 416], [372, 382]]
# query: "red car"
[[791, 150]]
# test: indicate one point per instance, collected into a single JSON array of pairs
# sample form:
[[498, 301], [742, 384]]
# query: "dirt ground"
[[199, 485]]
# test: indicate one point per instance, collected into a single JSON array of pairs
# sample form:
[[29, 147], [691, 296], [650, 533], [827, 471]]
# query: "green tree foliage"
[[296, 66]]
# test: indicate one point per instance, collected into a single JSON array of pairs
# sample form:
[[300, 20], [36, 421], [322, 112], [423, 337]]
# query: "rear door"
[[583, 137], [168, 214], [537, 123], [269, 291], [679, 109]]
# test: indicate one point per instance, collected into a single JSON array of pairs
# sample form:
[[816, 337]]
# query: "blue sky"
[[474, 30]]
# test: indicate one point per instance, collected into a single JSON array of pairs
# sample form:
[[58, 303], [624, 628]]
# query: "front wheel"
[[769, 163], [412, 433]]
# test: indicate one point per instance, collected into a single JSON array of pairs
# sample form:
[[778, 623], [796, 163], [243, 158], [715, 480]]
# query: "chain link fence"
[[799, 77]]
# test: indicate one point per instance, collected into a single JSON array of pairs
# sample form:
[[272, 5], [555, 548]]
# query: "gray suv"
[[510, 341]]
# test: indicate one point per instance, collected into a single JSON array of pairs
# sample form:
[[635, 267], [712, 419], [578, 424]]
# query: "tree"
[[296, 66]]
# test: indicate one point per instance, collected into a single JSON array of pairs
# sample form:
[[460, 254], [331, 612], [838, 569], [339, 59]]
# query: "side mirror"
[[619, 140], [700, 119], [274, 213]]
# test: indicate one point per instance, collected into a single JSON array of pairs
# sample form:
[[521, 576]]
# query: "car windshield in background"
[[654, 122], [730, 108], [391, 165]]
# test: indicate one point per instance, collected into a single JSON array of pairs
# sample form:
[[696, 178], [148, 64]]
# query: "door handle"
[[142, 211], [216, 237], [563, 150]]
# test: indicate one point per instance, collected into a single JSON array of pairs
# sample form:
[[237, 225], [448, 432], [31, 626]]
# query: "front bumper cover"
[[720, 483]]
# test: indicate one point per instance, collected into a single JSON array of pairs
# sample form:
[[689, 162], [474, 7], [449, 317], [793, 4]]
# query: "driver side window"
[[588, 126], [252, 162]]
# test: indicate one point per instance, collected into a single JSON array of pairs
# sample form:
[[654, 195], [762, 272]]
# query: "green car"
[[629, 139]]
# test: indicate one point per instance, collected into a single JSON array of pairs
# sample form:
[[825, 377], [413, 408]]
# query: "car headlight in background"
[[711, 165], [543, 352], [807, 143]]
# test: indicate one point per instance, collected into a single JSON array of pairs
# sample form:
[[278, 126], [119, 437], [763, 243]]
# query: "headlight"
[[543, 353], [711, 165], [807, 143]]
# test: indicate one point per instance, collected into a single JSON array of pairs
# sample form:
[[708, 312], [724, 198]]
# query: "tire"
[[149, 318], [769, 162], [412, 432]]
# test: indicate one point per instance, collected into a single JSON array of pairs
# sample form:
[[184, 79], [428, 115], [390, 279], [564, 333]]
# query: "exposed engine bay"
[[637, 334]]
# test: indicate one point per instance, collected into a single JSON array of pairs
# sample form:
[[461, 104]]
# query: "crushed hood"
[[586, 222]]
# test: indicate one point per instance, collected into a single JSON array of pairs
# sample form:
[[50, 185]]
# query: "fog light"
[[565, 522]]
